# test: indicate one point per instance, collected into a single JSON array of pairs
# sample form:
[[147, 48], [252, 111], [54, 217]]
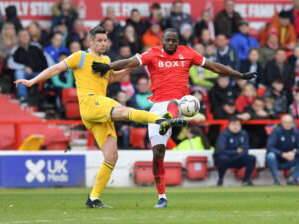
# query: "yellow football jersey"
[[88, 82]]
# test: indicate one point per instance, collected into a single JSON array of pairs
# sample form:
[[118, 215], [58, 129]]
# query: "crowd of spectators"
[[225, 38]]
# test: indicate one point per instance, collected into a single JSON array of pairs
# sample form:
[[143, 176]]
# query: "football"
[[189, 105]]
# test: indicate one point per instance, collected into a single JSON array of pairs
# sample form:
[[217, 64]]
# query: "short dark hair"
[[97, 30], [171, 30]]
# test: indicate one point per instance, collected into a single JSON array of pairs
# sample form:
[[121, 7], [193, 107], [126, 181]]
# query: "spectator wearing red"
[[152, 36], [246, 98]]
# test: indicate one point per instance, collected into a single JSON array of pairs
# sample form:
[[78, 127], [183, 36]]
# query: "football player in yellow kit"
[[98, 112]]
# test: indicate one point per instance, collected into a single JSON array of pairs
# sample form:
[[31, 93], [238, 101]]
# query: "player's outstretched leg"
[[109, 150], [122, 113], [159, 174]]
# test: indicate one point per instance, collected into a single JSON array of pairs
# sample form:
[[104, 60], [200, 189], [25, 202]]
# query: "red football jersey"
[[169, 74]]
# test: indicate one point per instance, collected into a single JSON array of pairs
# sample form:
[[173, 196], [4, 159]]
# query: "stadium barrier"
[[90, 142], [76, 169]]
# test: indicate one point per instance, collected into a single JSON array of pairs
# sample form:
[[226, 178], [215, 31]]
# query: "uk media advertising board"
[[42, 171]]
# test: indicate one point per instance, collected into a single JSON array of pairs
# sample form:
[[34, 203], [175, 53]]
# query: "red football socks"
[[159, 174]]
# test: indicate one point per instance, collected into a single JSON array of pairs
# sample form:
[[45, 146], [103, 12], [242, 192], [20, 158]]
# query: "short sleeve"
[[197, 59], [145, 58], [73, 60]]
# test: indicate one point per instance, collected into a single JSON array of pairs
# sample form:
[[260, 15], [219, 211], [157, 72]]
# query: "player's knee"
[[111, 157]]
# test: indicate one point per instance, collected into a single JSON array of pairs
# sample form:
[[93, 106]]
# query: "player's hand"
[[101, 68], [25, 82], [249, 75]]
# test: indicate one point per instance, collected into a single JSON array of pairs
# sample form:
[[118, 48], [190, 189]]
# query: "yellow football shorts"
[[95, 112]]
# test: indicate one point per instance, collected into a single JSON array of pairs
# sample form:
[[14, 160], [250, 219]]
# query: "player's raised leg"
[[121, 113], [109, 150]]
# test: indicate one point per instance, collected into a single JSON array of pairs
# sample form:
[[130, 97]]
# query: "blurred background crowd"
[[225, 38]]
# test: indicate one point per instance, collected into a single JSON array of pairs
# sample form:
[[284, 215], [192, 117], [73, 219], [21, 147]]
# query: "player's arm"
[[117, 76], [44, 75], [129, 63], [228, 71]]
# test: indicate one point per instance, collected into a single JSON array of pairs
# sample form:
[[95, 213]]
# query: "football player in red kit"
[[168, 68]]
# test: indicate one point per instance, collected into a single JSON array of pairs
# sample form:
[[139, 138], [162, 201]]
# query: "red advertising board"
[[91, 10]]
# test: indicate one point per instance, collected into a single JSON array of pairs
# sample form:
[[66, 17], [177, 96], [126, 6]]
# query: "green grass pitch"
[[186, 205]]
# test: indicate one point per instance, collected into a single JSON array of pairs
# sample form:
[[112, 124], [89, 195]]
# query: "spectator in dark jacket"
[[242, 42], [137, 22], [252, 64], [294, 63], [279, 68], [12, 17], [278, 94], [205, 23], [219, 95], [64, 12], [27, 61], [282, 150], [227, 21], [226, 54], [232, 152], [177, 17]]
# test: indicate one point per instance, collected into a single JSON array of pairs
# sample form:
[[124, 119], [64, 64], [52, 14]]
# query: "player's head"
[[98, 39], [170, 40]]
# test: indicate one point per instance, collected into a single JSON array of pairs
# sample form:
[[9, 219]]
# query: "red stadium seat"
[[69, 95], [70, 103], [197, 167], [142, 173], [138, 137], [72, 110], [240, 173]]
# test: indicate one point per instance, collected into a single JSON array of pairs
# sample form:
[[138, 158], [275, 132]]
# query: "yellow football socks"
[[102, 179], [141, 116]]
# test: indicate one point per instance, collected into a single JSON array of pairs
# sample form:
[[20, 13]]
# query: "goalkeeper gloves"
[[101, 68], [249, 75]]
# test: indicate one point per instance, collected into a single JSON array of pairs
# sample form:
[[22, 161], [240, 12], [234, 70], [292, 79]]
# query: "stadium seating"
[[17, 124], [197, 167], [137, 137], [142, 173], [70, 103], [32, 143]]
